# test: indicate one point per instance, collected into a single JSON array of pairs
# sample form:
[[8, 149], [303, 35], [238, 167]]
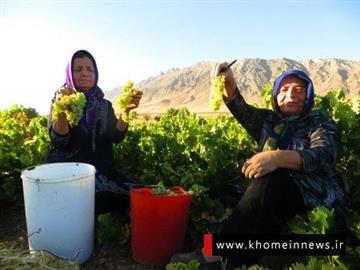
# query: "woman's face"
[[83, 73], [292, 96]]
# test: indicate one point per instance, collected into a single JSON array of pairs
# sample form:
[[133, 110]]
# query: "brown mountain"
[[189, 86]]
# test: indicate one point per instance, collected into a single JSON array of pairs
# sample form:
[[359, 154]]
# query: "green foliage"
[[110, 230], [316, 264], [192, 265], [23, 142], [266, 94], [320, 220], [182, 148], [353, 223], [346, 114]]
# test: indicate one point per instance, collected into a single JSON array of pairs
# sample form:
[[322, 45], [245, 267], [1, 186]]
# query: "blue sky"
[[138, 39]]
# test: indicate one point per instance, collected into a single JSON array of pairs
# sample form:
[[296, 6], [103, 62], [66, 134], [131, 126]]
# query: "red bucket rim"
[[180, 191]]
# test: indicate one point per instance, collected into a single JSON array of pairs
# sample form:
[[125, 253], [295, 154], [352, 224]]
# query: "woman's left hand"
[[135, 101], [260, 164]]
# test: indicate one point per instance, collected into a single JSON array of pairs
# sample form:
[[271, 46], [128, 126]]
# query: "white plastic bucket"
[[59, 207]]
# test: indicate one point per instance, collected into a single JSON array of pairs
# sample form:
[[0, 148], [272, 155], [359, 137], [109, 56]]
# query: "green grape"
[[279, 128], [216, 92], [270, 144], [355, 104], [72, 105], [160, 190], [124, 100]]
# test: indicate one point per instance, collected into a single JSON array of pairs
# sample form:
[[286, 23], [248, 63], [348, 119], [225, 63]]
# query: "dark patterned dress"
[[314, 136]]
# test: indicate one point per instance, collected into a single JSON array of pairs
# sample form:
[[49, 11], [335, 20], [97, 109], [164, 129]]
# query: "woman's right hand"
[[221, 69], [61, 126], [63, 91]]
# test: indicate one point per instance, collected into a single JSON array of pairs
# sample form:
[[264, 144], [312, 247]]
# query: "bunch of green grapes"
[[72, 105], [124, 100], [355, 104], [216, 92], [161, 190]]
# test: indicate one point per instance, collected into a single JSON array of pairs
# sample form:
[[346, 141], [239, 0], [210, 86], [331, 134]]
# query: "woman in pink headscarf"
[[91, 141]]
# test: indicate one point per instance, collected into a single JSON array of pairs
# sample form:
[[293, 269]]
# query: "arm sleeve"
[[114, 134], [321, 155], [251, 118], [59, 141]]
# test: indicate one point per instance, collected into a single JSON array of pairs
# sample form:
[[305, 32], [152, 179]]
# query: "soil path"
[[110, 256]]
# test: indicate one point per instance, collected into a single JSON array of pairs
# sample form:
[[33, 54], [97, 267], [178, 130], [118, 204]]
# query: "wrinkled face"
[[83, 73], [291, 97]]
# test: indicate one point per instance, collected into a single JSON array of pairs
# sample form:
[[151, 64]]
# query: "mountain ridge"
[[189, 86]]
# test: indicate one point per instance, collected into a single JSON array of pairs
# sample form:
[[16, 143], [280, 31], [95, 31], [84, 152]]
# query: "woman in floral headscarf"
[[294, 169], [92, 139], [293, 139]]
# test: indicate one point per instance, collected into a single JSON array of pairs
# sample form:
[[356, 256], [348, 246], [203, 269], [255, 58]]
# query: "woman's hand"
[[268, 161], [121, 123], [63, 91], [260, 164], [221, 69], [135, 101], [61, 126]]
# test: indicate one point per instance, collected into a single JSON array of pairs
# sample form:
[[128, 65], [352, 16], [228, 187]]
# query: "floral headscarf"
[[309, 93], [280, 137]]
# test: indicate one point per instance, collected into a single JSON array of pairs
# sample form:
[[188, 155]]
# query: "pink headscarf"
[[93, 96]]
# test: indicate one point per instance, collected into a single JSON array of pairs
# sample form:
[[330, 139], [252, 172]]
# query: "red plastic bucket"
[[158, 224]]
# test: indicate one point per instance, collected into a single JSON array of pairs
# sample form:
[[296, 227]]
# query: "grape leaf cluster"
[[216, 92], [72, 105], [124, 100]]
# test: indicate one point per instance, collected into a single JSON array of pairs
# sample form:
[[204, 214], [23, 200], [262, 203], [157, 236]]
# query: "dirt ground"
[[109, 256]]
